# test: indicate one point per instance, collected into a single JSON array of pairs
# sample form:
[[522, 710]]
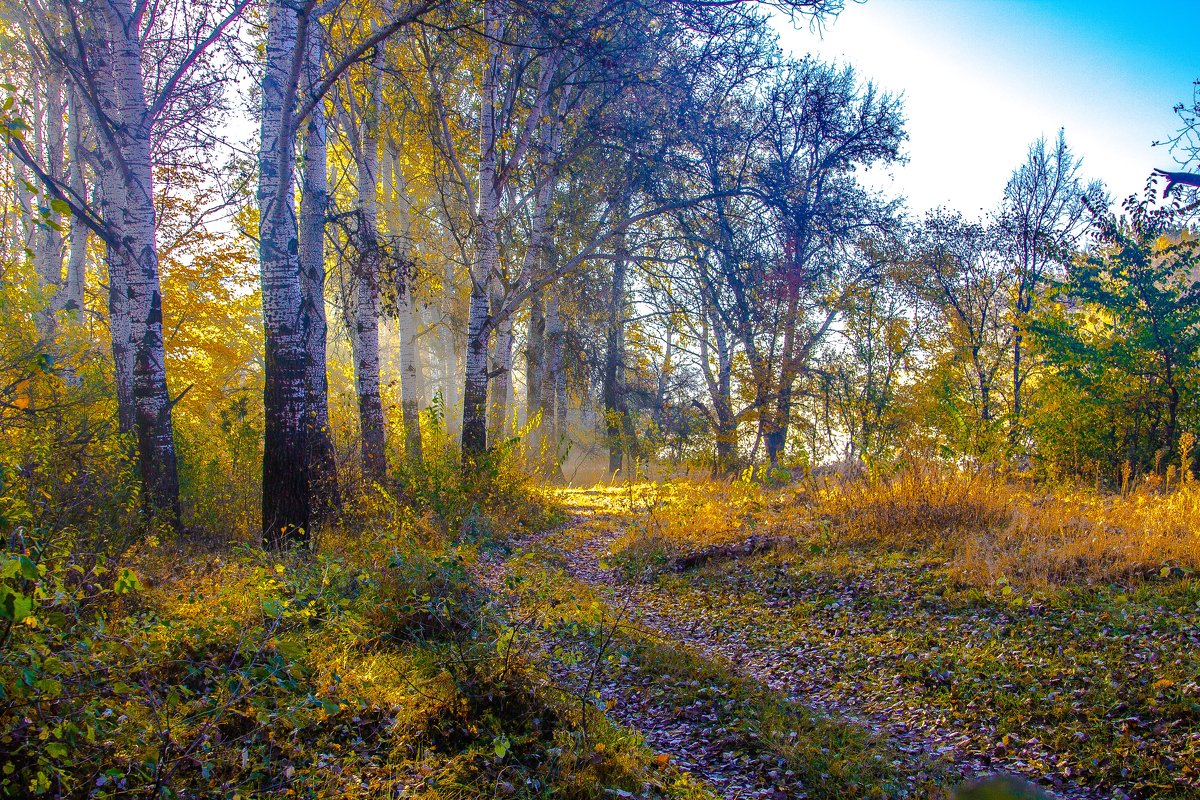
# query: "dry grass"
[[995, 528], [989, 526]]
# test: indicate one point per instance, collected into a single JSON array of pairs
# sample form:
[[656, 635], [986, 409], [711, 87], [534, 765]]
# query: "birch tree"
[[286, 481], [145, 78], [314, 207]]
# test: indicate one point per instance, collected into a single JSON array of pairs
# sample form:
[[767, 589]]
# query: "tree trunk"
[[400, 229], [48, 242], [500, 376], [156, 444], [562, 440], [77, 260], [475, 381], [366, 296], [285, 517], [324, 490], [615, 408], [111, 191], [486, 263], [535, 350], [28, 230], [775, 435], [719, 392], [553, 421]]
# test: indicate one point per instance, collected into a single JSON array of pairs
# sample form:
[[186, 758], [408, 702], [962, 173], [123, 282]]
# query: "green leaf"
[[500, 746], [29, 570], [127, 582], [14, 606]]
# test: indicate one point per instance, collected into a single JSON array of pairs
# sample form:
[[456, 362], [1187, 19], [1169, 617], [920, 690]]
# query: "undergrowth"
[[372, 666]]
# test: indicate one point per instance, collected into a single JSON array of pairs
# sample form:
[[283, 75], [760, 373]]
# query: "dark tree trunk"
[[475, 383], [615, 407], [535, 351]]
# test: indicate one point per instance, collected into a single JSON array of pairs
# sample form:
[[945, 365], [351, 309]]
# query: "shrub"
[[426, 596]]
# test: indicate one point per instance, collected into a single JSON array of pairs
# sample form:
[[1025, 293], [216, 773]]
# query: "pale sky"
[[983, 78]]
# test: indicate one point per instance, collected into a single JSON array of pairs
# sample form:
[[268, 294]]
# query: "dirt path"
[[693, 737]]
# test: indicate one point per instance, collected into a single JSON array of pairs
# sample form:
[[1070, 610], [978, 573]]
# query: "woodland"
[[514, 399]]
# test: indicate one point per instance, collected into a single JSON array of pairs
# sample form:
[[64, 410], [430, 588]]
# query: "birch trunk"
[[475, 379], [325, 497], [552, 376], [500, 376], [366, 284], [111, 191], [485, 264], [77, 260], [48, 255], [535, 350], [400, 229], [615, 407], [25, 203], [152, 406], [285, 391]]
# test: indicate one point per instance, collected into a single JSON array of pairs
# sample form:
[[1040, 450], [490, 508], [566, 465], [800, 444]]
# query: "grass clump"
[[1050, 634], [993, 527]]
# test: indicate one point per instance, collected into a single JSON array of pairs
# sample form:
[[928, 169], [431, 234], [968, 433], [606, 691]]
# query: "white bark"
[[285, 391], [553, 390], [111, 194], [500, 416], [156, 445], [486, 262], [314, 205], [48, 254], [400, 230], [366, 283], [77, 261]]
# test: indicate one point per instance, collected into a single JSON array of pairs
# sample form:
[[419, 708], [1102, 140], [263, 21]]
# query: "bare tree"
[[1042, 219]]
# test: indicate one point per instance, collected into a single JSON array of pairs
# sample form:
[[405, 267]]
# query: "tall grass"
[[993, 527], [988, 525]]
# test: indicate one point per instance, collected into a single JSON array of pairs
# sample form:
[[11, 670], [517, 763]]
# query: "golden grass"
[[988, 525], [995, 528]]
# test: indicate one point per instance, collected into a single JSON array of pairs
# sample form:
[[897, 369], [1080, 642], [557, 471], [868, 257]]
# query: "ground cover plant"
[[935, 604], [371, 666]]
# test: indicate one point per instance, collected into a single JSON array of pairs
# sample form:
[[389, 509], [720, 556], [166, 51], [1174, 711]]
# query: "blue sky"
[[984, 78]]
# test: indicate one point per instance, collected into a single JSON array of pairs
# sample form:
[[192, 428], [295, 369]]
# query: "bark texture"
[[366, 284], [403, 279], [285, 392], [314, 205]]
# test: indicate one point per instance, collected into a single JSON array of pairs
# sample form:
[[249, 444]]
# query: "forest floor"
[[810, 671]]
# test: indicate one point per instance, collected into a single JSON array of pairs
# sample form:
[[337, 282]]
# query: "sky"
[[982, 79]]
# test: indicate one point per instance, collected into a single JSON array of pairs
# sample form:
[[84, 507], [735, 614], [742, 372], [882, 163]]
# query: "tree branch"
[[164, 96], [80, 212], [1178, 178], [378, 37]]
